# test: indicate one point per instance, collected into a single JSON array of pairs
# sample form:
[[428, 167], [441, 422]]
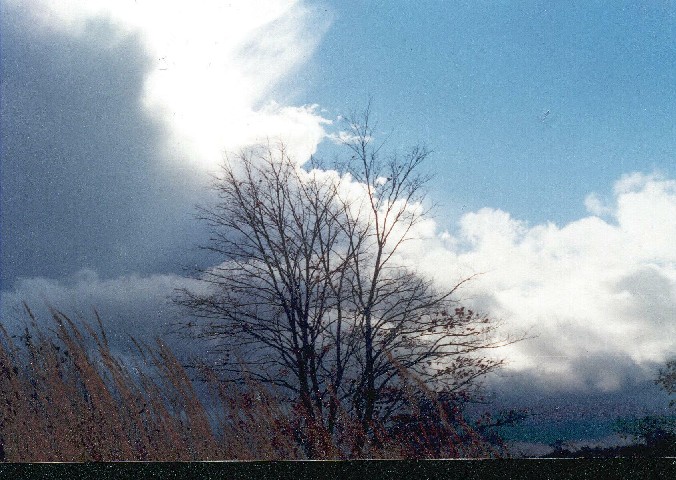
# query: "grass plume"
[[64, 396]]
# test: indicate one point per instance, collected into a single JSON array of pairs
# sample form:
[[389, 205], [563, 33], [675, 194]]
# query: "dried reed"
[[67, 397]]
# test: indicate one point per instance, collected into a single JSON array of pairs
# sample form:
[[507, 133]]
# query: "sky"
[[552, 126]]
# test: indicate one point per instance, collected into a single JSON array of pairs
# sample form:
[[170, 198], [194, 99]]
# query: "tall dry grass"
[[64, 396]]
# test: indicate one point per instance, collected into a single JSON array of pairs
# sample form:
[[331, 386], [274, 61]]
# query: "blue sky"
[[474, 80], [553, 126]]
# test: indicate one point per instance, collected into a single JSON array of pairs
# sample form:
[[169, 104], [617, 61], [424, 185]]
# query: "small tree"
[[314, 296], [666, 379]]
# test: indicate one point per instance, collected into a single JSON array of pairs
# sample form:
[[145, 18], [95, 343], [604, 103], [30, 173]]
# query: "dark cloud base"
[[558, 412], [86, 179]]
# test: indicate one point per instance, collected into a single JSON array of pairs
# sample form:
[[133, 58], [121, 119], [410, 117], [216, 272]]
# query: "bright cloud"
[[592, 289], [214, 67], [600, 295]]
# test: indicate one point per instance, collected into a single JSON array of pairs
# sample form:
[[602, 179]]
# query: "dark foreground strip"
[[654, 468]]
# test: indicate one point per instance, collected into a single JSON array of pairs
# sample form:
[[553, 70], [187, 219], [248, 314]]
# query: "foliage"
[[655, 431], [66, 397], [666, 379]]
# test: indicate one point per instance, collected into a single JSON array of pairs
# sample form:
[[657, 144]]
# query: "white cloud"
[[214, 66], [343, 137], [595, 205], [600, 295], [590, 289]]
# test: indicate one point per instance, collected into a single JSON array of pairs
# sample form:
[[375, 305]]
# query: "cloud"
[[599, 294], [114, 89], [135, 305], [109, 107], [595, 205], [214, 66]]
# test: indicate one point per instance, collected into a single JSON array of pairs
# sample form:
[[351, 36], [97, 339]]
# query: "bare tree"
[[410, 330], [314, 296], [275, 296]]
